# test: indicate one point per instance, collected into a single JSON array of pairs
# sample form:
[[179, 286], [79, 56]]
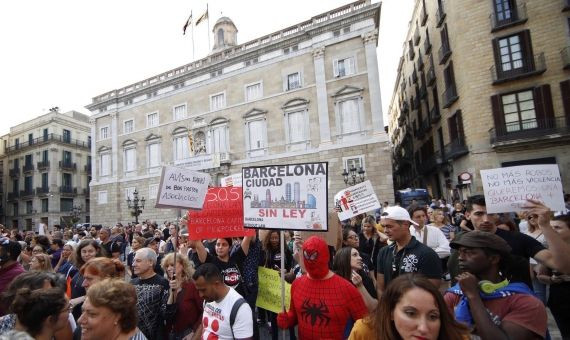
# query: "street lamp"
[[136, 204], [350, 178]]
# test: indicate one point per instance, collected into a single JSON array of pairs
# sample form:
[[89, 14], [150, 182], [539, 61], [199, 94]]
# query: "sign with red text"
[[221, 215], [356, 200], [507, 189], [182, 188], [292, 196]]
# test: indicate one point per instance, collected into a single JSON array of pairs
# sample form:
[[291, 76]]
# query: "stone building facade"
[[46, 171], [481, 84], [306, 93]]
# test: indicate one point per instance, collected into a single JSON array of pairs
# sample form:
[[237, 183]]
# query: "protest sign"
[[356, 200], [269, 292], [292, 196], [182, 188], [232, 181], [507, 189], [221, 215]]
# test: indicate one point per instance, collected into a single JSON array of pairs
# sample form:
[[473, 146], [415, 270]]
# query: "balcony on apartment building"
[[14, 173], [417, 36], [565, 55], [41, 191], [440, 14], [28, 168], [526, 67], [51, 137], [420, 62], [423, 16], [444, 53], [426, 125], [508, 17], [455, 149], [427, 45], [67, 166], [434, 114], [430, 163], [430, 75], [68, 191], [449, 96], [530, 131], [12, 196], [43, 165], [28, 193]]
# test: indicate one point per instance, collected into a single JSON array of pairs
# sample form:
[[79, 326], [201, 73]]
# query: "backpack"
[[233, 313]]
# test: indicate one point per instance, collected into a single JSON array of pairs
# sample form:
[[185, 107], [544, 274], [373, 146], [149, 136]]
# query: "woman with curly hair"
[[110, 312], [410, 308], [189, 303]]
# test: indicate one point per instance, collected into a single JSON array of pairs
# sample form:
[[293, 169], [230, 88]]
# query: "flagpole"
[[192, 37], [208, 18]]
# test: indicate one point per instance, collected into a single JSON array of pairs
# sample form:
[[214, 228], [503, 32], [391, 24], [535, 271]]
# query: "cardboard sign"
[[232, 181], [182, 188], [269, 293], [221, 215], [292, 197], [507, 189], [356, 200]]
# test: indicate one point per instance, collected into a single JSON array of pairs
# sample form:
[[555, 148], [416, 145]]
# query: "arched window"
[[221, 36]]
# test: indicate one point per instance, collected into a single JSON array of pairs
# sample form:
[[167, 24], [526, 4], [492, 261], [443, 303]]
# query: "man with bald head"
[[153, 293]]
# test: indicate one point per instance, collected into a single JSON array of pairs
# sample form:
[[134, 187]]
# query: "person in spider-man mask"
[[321, 302]]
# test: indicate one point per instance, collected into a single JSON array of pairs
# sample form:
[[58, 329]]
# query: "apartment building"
[[306, 93], [46, 165], [481, 84]]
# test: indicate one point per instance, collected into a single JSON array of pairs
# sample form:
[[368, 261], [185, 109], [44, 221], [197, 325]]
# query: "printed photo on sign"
[[507, 189], [182, 188], [292, 196], [356, 200]]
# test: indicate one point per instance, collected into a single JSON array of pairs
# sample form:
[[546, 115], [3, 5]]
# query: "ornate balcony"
[[47, 139], [67, 166], [529, 66], [41, 191], [68, 191], [43, 165], [28, 168], [27, 193]]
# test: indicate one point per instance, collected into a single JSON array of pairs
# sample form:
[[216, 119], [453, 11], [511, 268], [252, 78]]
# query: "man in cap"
[[405, 254], [152, 243], [321, 302], [9, 265], [484, 299]]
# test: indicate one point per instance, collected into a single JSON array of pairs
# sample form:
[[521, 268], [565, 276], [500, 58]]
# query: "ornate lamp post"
[[136, 205], [355, 176]]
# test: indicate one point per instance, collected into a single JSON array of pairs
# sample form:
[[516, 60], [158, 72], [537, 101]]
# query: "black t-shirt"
[[272, 259], [231, 270], [152, 295], [371, 247], [523, 248], [413, 258]]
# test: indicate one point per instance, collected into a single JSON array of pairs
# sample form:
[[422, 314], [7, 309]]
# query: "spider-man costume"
[[321, 306]]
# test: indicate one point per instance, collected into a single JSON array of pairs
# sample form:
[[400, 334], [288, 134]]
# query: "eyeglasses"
[[355, 237]]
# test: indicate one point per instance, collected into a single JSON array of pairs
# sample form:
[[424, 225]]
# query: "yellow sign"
[[269, 293]]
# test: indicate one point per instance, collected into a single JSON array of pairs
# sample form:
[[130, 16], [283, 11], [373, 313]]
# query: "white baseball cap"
[[398, 214]]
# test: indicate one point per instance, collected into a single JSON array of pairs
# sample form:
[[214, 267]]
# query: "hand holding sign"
[[533, 207]]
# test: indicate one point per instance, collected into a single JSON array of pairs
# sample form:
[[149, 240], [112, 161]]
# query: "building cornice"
[[291, 36]]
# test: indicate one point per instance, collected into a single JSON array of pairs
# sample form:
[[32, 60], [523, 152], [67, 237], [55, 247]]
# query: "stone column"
[[370, 40], [114, 144], [322, 103], [94, 160]]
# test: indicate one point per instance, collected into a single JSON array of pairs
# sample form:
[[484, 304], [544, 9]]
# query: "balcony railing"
[[67, 190], [434, 114], [565, 54], [28, 168], [27, 193], [530, 130], [423, 16], [420, 64], [426, 125], [47, 139], [526, 67], [444, 53], [68, 166], [14, 173], [417, 37], [427, 45], [455, 149], [449, 96], [43, 165], [507, 18], [440, 14], [12, 196], [42, 190], [430, 76]]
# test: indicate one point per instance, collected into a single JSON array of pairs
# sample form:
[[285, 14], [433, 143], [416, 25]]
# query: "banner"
[[356, 200], [507, 189], [182, 188], [292, 197], [269, 292], [221, 216], [232, 181]]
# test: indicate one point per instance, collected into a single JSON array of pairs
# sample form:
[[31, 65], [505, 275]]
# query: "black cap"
[[481, 239], [150, 240]]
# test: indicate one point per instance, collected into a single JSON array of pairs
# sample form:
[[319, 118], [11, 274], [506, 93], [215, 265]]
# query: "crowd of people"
[[432, 271]]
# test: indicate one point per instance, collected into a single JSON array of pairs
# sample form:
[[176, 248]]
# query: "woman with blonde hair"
[[41, 263], [189, 303], [110, 312]]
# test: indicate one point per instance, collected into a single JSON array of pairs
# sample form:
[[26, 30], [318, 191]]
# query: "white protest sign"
[[356, 200], [292, 197], [232, 181], [182, 188], [507, 189]]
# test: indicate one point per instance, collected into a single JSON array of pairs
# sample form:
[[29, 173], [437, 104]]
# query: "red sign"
[[221, 215]]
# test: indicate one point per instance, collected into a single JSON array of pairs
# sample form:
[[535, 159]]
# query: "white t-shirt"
[[216, 319]]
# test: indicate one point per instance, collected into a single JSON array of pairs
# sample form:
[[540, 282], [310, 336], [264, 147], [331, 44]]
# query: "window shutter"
[[565, 90], [527, 50], [498, 115], [543, 106], [497, 54], [460, 125]]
